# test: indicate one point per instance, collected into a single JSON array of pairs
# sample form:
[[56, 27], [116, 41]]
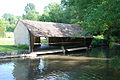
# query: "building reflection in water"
[[21, 69], [28, 69], [41, 65]]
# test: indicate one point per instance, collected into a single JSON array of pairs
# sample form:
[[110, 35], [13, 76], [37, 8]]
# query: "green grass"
[[9, 48], [44, 41], [7, 45]]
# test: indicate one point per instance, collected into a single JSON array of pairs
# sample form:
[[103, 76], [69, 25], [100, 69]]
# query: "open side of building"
[[58, 34]]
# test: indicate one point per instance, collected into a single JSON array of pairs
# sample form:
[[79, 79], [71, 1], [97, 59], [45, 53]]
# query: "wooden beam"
[[58, 43], [31, 42]]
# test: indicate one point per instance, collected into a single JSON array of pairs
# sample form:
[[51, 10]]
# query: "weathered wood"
[[62, 41], [58, 43], [37, 39], [31, 42], [84, 41], [65, 40], [57, 51], [74, 49], [63, 49]]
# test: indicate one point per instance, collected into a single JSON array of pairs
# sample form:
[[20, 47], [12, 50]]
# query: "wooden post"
[[37, 40], [62, 46], [63, 49], [84, 41], [31, 42]]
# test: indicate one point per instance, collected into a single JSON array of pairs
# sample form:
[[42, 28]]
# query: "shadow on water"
[[105, 52], [65, 67]]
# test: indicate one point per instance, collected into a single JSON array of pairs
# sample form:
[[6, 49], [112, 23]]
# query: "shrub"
[[99, 41]]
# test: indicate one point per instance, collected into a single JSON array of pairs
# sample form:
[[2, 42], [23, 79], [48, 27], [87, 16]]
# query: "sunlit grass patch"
[[7, 45], [8, 48]]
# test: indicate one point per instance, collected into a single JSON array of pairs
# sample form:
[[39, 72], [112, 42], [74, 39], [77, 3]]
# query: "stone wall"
[[21, 34]]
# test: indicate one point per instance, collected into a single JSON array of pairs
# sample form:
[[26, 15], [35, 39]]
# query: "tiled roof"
[[50, 29]]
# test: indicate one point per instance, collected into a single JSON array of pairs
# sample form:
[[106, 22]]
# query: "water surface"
[[68, 67]]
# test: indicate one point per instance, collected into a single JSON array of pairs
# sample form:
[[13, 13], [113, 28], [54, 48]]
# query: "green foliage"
[[99, 41], [32, 15], [96, 17], [10, 17], [44, 41], [115, 62], [53, 13], [3, 25], [29, 7], [12, 20]]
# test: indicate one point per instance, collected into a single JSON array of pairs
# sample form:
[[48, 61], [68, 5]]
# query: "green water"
[[65, 67]]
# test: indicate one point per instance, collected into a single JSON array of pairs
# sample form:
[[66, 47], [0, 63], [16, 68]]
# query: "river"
[[101, 63]]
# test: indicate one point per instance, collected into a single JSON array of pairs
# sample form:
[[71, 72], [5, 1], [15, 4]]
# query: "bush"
[[115, 62], [99, 41]]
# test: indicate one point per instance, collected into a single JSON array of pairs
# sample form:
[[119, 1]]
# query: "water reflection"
[[64, 68], [105, 52], [21, 69], [7, 70], [41, 65]]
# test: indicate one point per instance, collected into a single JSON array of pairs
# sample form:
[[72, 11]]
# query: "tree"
[[12, 21], [3, 25], [32, 15], [97, 17], [29, 7], [53, 13], [10, 17]]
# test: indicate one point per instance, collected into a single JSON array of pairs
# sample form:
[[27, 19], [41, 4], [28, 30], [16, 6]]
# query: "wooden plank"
[[46, 52], [74, 49], [56, 51], [58, 43]]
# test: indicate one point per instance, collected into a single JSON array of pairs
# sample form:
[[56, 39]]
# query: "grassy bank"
[[7, 45], [9, 48]]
